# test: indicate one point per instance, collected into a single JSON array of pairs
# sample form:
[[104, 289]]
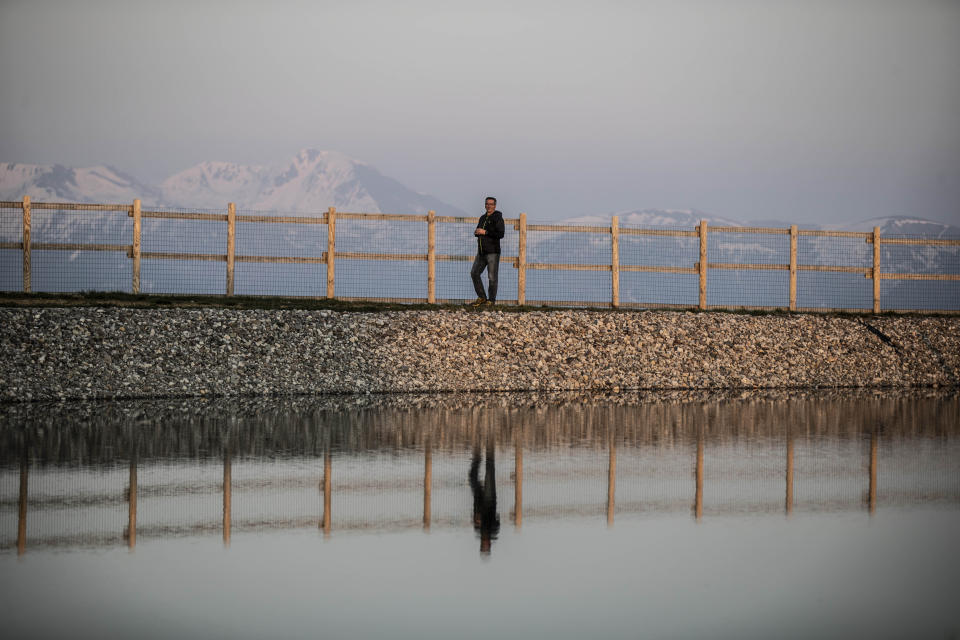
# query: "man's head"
[[490, 204]]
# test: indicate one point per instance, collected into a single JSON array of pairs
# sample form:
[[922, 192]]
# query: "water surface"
[[799, 515]]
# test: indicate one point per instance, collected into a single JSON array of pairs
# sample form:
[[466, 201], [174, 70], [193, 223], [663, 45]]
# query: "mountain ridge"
[[687, 218], [314, 180]]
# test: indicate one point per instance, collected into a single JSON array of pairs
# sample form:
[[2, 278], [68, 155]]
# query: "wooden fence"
[[700, 268]]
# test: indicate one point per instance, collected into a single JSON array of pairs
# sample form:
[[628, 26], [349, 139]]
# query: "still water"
[[560, 516]]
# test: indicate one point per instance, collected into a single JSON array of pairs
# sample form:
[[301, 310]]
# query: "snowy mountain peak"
[[312, 181], [318, 158], [212, 183], [336, 166]]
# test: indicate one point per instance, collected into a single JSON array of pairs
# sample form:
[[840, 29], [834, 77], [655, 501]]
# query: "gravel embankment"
[[125, 353]]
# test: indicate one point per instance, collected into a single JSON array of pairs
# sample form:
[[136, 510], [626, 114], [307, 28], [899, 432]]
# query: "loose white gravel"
[[93, 353]]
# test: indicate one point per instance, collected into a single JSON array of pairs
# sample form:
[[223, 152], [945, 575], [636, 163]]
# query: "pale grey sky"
[[802, 110]]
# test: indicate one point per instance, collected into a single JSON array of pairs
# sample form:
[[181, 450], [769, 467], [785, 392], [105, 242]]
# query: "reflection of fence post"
[[136, 245], [231, 244], [26, 244], [698, 498], [331, 243], [615, 259], [518, 483], [431, 257], [522, 262], [872, 491], [226, 497], [793, 267], [876, 270], [789, 498], [132, 505], [327, 490], [703, 264], [611, 479], [427, 483], [22, 506]]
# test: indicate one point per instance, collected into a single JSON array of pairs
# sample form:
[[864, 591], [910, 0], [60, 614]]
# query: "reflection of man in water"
[[486, 520]]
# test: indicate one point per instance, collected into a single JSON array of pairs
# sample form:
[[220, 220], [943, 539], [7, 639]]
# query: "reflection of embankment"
[[102, 433], [388, 470]]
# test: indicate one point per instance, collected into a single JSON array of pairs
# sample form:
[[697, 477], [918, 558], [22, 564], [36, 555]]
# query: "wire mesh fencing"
[[748, 269], [658, 270], [380, 258], [927, 264], [65, 247], [182, 251], [11, 246], [280, 254], [69, 249], [833, 272], [456, 242], [569, 266]]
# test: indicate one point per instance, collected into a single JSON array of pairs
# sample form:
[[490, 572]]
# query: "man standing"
[[488, 232]]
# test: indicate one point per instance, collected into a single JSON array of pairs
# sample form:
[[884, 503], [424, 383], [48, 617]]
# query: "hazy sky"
[[801, 110]]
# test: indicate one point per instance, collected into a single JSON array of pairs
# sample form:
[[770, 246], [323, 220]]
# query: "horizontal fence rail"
[[705, 267]]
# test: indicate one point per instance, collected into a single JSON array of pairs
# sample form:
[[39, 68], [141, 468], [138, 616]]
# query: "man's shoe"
[[489, 302], [478, 302]]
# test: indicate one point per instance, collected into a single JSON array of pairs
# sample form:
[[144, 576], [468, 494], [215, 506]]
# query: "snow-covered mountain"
[[311, 181], [56, 183], [686, 218], [211, 184], [903, 226]]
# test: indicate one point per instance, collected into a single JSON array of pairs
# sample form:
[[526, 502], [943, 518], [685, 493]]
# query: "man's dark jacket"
[[493, 225]]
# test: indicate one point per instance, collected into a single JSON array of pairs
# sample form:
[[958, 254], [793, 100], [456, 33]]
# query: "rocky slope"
[[120, 353]]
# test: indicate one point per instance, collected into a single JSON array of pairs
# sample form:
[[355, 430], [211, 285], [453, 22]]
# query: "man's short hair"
[[490, 198]]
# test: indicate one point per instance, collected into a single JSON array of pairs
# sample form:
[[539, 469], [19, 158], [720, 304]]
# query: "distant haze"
[[806, 110]]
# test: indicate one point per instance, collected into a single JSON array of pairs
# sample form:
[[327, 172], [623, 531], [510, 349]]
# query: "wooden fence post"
[[615, 259], [26, 244], [136, 245], [431, 257], [793, 267], [331, 244], [703, 264], [876, 270], [231, 244], [522, 262]]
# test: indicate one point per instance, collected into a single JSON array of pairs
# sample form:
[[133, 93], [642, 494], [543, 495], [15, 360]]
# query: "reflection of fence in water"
[[410, 488]]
